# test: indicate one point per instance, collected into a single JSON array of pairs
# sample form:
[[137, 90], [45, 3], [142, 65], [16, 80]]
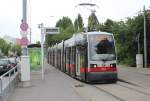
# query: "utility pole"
[[24, 11], [24, 28], [25, 63], [138, 39], [145, 42]]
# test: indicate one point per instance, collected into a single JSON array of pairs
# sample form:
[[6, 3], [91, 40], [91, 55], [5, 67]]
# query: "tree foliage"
[[64, 23], [6, 47], [107, 26], [78, 24], [66, 30], [125, 33], [93, 22]]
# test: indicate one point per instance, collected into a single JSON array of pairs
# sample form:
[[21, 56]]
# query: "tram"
[[87, 56]]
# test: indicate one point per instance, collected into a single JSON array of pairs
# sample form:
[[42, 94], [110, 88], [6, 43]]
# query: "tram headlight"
[[113, 65], [93, 65]]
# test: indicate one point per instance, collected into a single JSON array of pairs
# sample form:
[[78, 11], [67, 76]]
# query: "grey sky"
[[42, 11]]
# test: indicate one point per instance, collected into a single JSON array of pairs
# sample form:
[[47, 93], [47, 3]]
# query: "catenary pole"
[[145, 41]]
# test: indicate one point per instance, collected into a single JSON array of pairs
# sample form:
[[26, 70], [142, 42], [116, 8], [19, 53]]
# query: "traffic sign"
[[24, 33], [51, 30], [24, 41], [24, 26]]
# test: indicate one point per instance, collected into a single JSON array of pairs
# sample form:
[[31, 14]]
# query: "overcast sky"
[[49, 11]]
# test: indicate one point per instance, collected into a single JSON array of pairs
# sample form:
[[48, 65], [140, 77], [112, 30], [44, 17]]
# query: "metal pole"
[[24, 20], [145, 42], [1, 86], [30, 35], [42, 50], [24, 11], [139, 43]]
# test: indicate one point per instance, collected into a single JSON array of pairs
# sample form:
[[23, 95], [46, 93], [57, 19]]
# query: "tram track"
[[125, 91], [136, 88], [91, 93], [118, 98], [120, 91]]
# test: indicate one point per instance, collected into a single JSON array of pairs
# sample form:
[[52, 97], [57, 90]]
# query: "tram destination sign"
[[51, 30]]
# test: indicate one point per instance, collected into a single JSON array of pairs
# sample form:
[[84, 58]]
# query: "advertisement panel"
[[35, 58]]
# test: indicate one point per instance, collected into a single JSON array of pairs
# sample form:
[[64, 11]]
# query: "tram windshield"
[[101, 47]]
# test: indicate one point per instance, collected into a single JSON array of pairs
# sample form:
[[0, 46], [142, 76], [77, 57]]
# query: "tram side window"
[[73, 55], [83, 54], [58, 58], [82, 60], [68, 56]]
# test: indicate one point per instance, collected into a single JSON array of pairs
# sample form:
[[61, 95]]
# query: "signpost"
[[24, 41], [51, 30], [45, 30], [24, 26], [25, 64]]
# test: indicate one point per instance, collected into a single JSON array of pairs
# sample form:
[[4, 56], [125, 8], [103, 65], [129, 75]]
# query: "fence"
[[8, 82]]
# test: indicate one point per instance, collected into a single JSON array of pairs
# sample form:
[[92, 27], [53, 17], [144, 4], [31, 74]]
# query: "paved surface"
[[92, 93], [56, 87], [138, 76], [126, 92]]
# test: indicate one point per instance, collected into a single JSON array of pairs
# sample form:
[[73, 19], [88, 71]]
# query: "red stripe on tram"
[[98, 69]]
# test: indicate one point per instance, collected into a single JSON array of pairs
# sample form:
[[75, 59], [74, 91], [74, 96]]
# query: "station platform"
[[56, 86]]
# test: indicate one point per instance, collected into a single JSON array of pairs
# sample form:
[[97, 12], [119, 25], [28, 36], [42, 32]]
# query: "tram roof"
[[98, 32]]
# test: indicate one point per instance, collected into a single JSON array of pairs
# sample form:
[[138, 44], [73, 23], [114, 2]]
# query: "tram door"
[[77, 63]]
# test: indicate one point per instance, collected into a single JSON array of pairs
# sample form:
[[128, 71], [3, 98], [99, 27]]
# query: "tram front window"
[[101, 47]]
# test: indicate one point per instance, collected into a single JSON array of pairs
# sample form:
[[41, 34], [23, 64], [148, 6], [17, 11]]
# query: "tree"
[[64, 23], [107, 26], [125, 33], [58, 23], [16, 49], [93, 22], [66, 30], [38, 42], [78, 24], [4, 46]]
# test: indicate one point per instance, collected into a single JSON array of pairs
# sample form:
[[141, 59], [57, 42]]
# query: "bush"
[[129, 61]]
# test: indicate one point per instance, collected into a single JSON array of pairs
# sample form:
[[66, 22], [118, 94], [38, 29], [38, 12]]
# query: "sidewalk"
[[55, 87], [138, 76]]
